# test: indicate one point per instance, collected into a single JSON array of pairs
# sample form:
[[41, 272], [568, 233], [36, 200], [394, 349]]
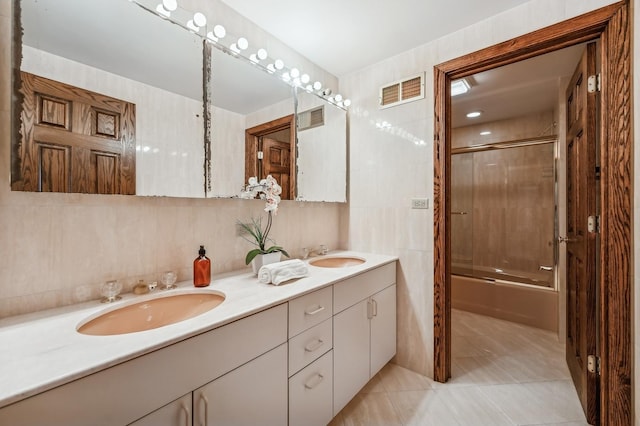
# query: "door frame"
[[252, 136], [611, 24]]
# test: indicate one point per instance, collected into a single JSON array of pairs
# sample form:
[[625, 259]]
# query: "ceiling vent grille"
[[311, 118], [403, 91]]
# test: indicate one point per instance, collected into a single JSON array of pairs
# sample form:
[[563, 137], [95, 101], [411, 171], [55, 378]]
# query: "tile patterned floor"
[[503, 374]]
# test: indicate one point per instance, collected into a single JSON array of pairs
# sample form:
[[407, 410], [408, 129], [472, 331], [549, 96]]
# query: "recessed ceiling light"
[[485, 133], [474, 114], [459, 87]]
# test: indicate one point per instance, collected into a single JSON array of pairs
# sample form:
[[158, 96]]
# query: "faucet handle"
[[323, 249]]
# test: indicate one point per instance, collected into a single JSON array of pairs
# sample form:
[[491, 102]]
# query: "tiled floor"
[[503, 374]]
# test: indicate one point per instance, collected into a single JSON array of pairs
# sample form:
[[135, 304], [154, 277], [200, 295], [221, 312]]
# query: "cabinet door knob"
[[314, 346], [314, 381], [315, 311]]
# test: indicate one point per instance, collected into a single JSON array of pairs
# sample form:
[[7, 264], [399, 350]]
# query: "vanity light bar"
[[197, 23]]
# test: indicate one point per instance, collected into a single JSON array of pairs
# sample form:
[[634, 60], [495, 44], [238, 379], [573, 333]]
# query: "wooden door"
[[74, 140], [581, 242], [276, 162]]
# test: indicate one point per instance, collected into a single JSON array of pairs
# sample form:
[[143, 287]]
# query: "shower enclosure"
[[503, 209]]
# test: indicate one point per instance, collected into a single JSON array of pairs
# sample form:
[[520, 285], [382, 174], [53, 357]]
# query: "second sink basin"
[[336, 261], [152, 313]]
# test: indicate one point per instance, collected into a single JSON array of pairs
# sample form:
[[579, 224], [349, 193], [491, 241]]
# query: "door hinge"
[[260, 155], [594, 83], [593, 364], [593, 224]]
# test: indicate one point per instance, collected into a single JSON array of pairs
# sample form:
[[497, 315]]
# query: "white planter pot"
[[265, 259]]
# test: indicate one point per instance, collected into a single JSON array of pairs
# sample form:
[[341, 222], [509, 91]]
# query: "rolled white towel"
[[277, 273]]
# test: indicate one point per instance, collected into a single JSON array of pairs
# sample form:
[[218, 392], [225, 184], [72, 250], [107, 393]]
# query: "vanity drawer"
[[311, 394], [309, 310], [306, 347]]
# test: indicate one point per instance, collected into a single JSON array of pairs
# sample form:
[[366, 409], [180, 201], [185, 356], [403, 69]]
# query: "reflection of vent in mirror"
[[403, 91], [311, 118]]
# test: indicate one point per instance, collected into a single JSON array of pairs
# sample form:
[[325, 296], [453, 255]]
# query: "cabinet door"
[[383, 328], [176, 413], [252, 394], [350, 354]]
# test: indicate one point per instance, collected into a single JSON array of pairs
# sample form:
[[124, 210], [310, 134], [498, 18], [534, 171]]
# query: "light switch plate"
[[419, 203]]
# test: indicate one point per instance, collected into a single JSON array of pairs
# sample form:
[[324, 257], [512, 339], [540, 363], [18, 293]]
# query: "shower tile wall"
[[508, 198]]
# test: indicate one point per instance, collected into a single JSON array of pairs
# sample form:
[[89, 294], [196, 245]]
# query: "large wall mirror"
[[116, 51]]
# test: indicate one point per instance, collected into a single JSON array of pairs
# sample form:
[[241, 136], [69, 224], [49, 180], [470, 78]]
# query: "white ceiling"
[[343, 36]]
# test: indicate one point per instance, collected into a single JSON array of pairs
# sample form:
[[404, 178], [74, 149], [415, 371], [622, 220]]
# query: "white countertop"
[[43, 350]]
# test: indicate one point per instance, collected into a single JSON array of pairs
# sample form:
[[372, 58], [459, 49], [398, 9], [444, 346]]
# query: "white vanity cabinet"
[[253, 394], [134, 389], [364, 330], [176, 413]]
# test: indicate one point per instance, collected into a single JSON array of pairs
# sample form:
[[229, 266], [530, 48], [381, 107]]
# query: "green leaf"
[[251, 255]]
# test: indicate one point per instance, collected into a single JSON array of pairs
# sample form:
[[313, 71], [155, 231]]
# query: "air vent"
[[311, 118], [402, 91]]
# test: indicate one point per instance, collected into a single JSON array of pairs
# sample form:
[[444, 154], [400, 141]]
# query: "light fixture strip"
[[197, 23]]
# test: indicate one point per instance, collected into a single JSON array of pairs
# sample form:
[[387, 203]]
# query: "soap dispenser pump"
[[201, 269]]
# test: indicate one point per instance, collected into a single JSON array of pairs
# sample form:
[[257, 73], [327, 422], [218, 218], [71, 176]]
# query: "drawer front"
[[309, 310], [311, 394], [350, 291], [307, 346]]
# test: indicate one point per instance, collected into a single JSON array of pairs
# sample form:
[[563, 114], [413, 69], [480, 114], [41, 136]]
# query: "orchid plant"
[[269, 190]]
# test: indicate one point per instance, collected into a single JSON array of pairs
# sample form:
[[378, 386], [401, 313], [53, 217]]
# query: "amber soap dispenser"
[[201, 269]]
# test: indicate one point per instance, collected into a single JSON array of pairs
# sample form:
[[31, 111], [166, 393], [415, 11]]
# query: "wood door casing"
[[581, 281], [253, 144], [74, 140], [612, 24]]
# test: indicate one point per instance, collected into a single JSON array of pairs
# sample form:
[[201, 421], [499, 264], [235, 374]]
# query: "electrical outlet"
[[419, 203]]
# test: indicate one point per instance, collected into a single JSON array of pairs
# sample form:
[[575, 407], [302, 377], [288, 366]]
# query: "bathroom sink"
[[152, 313], [336, 262]]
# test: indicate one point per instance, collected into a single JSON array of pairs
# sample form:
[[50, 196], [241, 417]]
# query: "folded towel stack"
[[277, 273]]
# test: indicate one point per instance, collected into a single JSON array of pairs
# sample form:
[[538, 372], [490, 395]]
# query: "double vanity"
[[257, 354]]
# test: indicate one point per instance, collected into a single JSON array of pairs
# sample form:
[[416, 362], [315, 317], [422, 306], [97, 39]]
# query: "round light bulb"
[[305, 78], [162, 11], [170, 5], [243, 43], [199, 19], [219, 31], [286, 76], [271, 68], [296, 81], [279, 64], [253, 58], [262, 54], [309, 88], [317, 85], [338, 98], [295, 72], [347, 102]]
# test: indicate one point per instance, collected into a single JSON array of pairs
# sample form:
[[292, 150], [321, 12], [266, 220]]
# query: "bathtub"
[[525, 304]]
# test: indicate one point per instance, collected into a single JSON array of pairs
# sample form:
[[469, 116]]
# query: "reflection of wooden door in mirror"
[[270, 150], [74, 140], [276, 162]]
